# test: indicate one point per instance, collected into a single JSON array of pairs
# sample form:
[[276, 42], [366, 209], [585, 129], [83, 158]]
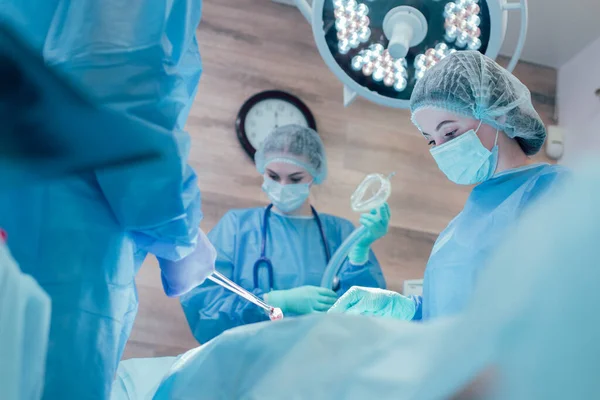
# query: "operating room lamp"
[[379, 49]]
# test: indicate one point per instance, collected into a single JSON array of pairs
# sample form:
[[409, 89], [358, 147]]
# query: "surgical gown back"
[[83, 238], [295, 248]]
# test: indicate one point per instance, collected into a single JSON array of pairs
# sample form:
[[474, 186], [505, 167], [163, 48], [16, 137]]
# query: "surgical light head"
[[471, 84], [380, 49], [294, 144]]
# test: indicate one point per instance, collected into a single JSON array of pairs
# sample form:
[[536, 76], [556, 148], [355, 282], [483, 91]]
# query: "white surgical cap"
[[297, 145], [471, 84]]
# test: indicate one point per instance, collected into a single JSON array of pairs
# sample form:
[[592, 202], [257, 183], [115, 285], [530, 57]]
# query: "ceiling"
[[558, 29]]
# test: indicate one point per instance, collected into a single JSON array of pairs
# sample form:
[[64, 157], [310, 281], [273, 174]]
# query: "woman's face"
[[440, 126], [287, 174]]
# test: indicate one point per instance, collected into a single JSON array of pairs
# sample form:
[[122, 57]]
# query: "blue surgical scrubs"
[[294, 246]]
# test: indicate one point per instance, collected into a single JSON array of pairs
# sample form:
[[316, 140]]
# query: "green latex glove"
[[377, 226], [375, 302], [302, 300]]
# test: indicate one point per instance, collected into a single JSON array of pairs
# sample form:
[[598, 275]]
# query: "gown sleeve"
[[211, 309]]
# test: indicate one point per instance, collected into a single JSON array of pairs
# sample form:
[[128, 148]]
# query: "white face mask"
[[286, 198]]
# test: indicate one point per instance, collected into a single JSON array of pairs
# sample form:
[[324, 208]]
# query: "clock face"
[[269, 114]]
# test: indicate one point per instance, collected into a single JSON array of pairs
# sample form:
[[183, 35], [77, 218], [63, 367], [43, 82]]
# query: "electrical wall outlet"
[[413, 287], [555, 142]]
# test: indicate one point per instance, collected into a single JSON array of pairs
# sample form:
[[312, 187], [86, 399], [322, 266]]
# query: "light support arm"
[[521, 5], [305, 9]]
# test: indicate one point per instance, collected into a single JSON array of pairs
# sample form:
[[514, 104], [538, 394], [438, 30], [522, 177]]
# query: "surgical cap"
[[294, 144], [473, 85]]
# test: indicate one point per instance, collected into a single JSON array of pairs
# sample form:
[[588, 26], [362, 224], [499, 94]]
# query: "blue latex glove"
[[302, 300], [376, 224], [375, 302]]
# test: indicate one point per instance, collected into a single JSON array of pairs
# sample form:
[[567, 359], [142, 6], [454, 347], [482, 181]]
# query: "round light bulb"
[[400, 64], [338, 3], [443, 47], [474, 44], [344, 46], [473, 9], [401, 74], [367, 69], [357, 63], [400, 84], [474, 20], [389, 80], [475, 32], [451, 20], [449, 9], [341, 23], [378, 74], [376, 48], [451, 33], [363, 22], [420, 61], [364, 34], [461, 40], [362, 9]]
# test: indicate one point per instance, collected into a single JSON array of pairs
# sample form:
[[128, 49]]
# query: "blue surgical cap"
[[294, 144], [473, 85]]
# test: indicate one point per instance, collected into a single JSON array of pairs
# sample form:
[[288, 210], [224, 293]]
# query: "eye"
[[451, 134], [274, 177], [296, 180], [431, 143]]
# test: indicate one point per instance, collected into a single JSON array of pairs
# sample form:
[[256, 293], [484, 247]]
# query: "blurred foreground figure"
[[83, 238]]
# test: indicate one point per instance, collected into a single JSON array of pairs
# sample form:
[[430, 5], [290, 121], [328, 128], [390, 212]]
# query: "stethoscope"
[[265, 261]]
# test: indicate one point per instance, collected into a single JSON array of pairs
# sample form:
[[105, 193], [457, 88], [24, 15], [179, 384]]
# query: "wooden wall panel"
[[253, 45]]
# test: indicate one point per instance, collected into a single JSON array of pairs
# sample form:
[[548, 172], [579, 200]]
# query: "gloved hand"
[[377, 226], [179, 277], [302, 300], [375, 302]]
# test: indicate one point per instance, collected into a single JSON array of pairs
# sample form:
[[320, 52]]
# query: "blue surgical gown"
[[295, 248], [83, 238], [463, 248]]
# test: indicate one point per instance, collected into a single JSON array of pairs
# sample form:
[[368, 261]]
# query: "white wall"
[[557, 30], [578, 105]]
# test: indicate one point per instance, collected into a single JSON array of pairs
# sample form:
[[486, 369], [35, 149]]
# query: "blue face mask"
[[286, 198], [465, 160]]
